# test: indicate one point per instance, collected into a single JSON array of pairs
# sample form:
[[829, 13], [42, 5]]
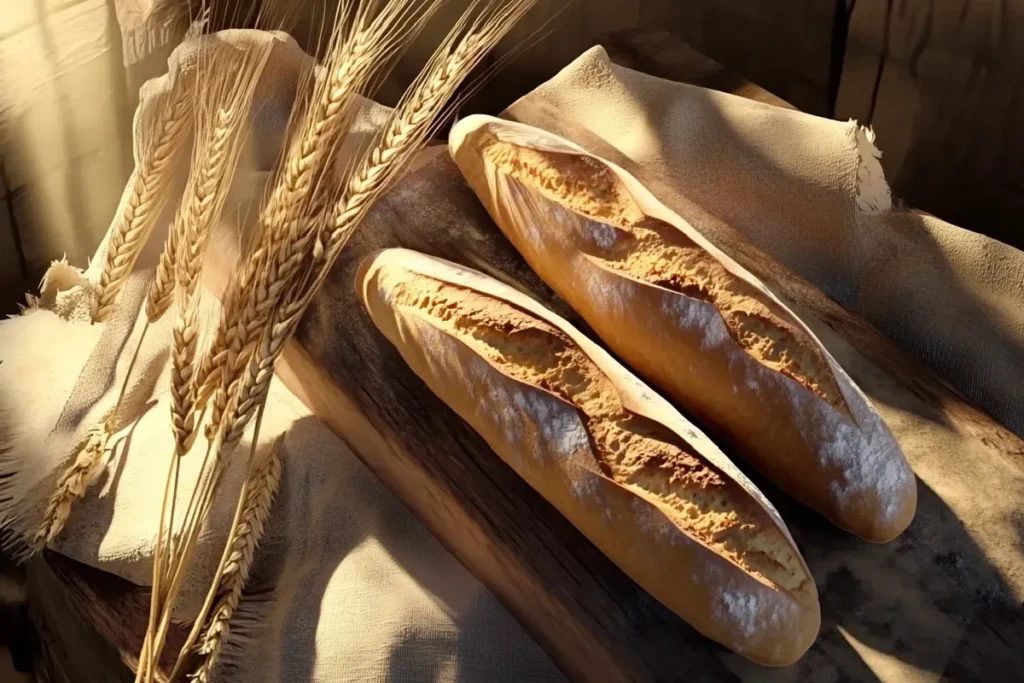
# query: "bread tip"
[[463, 129], [887, 528], [368, 267]]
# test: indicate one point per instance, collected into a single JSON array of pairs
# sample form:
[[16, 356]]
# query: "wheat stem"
[[180, 567]]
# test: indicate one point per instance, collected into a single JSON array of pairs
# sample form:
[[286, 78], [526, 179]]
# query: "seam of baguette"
[[629, 243], [631, 450]]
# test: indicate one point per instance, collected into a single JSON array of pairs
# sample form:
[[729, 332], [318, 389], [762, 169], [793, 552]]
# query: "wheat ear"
[[240, 550], [87, 463], [72, 485], [161, 291], [150, 192], [285, 229]]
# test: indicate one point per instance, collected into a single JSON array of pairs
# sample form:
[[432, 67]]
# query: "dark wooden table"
[[928, 606]]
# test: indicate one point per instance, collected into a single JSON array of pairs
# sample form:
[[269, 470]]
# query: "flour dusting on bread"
[[742, 610], [636, 452], [863, 453]]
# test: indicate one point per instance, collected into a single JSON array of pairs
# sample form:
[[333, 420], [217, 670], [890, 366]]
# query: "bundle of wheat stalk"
[[300, 243], [314, 203], [226, 78]]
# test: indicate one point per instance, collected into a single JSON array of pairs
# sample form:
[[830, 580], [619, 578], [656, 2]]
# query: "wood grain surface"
[[90, 623], [941, 602]]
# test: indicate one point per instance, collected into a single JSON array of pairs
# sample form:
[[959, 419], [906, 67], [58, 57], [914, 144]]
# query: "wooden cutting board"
[[941, 602]]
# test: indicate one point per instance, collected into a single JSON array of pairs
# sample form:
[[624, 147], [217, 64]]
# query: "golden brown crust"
[[565, 416], [650, 250], [692, 321]]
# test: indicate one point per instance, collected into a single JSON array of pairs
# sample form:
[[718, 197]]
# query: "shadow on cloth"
[[348, 581]]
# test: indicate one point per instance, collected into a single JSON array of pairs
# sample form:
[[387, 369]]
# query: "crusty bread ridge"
[[691, 320], [649, 490]]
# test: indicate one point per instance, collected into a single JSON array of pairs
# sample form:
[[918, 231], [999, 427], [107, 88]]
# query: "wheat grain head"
[[231, 582], [222, 115], [72, 485], [363, 47], [150, 192]]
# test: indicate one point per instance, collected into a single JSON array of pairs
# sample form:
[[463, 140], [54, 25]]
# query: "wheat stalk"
[[285, 230], [150, 192], [228, 97], [269, 300], [240, 550], [72, 485], [407, 130]]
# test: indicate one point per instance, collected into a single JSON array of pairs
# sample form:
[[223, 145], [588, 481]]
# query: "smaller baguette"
[[648, 489], [692, 321]]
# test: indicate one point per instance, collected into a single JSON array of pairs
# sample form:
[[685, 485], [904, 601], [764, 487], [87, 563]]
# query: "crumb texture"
[[632, 450], [624, 240]]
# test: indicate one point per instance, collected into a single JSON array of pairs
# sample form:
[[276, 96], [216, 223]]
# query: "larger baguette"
[[653, 493], [692, 321]]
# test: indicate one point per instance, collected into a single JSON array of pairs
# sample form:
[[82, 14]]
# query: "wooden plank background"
[[938, 79], [941, 83]]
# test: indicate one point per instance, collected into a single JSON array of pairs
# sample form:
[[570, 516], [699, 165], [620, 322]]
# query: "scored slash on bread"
[[648, 489], [692, 321]]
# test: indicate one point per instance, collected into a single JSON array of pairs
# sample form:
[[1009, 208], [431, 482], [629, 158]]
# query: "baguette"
[[692, 321], [651, 492]]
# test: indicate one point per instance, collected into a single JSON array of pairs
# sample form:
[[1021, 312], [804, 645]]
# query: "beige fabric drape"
[[65, 135]]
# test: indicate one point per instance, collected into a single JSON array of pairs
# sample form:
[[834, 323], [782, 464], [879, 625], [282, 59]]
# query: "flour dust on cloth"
[[810, 192], [347, 585]]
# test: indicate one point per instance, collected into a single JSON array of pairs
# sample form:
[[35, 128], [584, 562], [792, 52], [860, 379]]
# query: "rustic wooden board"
[[90, 624], [943, 601]]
